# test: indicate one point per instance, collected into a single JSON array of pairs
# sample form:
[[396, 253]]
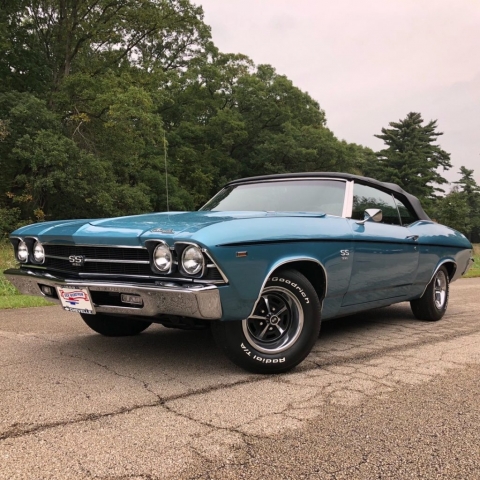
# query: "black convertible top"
[[390, 187]]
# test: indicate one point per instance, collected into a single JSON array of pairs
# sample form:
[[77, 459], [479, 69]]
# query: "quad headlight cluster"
[[37, 251], [189, 258]]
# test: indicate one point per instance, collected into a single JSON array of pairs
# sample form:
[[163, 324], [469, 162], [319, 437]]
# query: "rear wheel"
[[433, 304], [114, 326], [282, 330]]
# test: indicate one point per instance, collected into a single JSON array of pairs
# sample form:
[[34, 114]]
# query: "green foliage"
[[470, 194], [93, 93], [453, 211], [411, 158], [460, 209]]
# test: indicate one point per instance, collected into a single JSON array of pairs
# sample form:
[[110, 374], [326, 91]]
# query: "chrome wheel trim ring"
[[440, 285], [291, 321]]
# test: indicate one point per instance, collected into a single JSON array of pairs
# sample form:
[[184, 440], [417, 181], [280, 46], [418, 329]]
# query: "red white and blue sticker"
[[75, 299]]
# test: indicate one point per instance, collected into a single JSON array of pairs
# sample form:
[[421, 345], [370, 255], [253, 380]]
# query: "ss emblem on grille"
[[76, 260]]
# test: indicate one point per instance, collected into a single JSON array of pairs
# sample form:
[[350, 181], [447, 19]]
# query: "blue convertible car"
[[263, 262]]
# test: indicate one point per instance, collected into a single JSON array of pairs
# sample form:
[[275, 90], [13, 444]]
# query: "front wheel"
[[282, 330], [433, 304], [114, 326]]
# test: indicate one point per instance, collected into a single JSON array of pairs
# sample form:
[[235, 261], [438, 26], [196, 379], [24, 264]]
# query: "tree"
[[453, 210], [412, 158], [471, 194], [94, 93]]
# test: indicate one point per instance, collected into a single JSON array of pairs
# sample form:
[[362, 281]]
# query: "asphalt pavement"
[[381, 396]]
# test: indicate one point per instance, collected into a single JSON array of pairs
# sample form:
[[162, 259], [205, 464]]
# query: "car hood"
[[133, 230]]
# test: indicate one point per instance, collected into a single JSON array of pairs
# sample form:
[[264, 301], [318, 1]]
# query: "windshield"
[[325, 196]]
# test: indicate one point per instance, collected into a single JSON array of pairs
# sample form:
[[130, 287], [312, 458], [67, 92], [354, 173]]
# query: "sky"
[[369, 62]]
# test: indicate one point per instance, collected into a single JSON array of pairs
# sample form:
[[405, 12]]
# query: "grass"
[[11, 298], [9, 295], [475, 268]]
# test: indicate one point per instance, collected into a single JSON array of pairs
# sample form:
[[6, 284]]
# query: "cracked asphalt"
[[381, 396]]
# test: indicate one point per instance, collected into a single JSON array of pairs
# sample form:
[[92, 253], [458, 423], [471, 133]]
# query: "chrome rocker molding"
[[187, 300]]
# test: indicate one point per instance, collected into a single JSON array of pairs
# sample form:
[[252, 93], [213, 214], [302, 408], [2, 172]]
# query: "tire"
[[433, 304], [114, 326], [282, 330]]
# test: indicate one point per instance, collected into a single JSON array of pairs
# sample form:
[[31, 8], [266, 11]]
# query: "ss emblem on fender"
[[344, 254], [76, 260]]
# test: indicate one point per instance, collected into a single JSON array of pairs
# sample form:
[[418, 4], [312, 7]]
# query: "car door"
[[385, 254]]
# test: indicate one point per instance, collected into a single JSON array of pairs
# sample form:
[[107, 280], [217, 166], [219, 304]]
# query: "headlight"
[[22, 252], [192, 260], [162, 257], [38, 252]]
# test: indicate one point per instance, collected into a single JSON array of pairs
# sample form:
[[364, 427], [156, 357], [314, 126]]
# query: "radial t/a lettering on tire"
[[282, 330]]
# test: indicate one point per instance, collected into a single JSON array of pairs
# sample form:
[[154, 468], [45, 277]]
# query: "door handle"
[[413, 237]]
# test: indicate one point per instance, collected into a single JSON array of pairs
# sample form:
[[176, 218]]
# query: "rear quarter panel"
[[438, 244]]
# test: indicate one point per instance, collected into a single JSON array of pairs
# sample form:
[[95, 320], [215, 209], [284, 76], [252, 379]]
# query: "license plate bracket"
[[76, 299]]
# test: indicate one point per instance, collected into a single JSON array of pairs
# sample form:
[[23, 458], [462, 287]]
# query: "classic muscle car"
[[263, 263]]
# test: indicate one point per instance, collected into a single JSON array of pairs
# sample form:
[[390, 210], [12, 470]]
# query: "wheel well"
[[451, 269], [314, 273]]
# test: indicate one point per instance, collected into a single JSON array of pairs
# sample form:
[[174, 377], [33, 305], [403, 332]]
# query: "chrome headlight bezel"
[[193, 253], [22, 246], [163, 247], [38, 253]]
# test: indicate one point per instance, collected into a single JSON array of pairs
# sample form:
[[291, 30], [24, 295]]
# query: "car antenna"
[[166, 170]]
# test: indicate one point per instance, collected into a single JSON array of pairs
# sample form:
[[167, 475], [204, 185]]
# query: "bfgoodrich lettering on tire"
[[282, 330]]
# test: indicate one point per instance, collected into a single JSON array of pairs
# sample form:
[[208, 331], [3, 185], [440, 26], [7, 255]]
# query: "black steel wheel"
[[433, 304], [114, 326], [282, 329]]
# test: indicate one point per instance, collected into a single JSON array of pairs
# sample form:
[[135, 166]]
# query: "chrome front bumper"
[[186, 300]]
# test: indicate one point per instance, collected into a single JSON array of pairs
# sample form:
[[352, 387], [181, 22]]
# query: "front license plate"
[[75, 299]]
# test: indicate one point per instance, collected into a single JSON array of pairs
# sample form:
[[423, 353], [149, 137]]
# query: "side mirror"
[[374, 214]]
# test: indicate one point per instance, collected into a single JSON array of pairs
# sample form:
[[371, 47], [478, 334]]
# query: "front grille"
[[101, 253], [99, 267], [110, 261], [115, 265]]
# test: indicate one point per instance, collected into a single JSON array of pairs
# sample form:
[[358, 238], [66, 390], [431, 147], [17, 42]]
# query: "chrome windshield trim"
[[348, 204], [273, 180]]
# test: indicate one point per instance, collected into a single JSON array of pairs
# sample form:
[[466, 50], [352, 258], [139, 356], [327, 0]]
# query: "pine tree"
[[412, 158], [471, 192]]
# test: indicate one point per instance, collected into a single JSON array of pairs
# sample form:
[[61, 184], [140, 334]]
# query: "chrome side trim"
[[285, 262], [183, 299]]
